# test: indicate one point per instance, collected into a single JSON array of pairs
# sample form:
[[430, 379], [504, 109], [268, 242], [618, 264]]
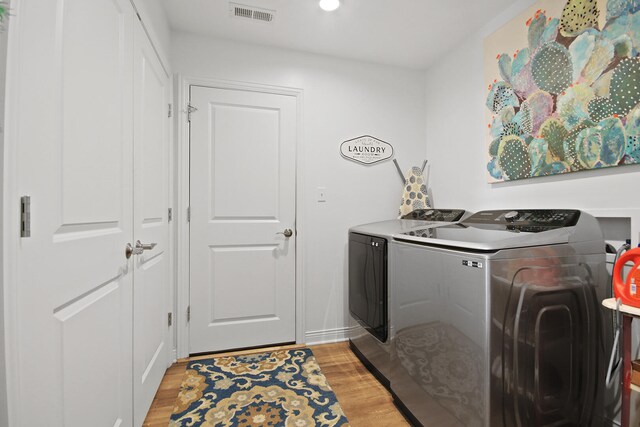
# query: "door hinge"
[[189, 214], [25, 216], [189, 314], [170, 214], [190, 109], [169, 112], [170, 319]]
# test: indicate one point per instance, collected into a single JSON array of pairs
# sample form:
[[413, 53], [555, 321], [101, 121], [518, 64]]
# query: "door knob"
[[138, 249], [144, 246], [287, 232], [130, 250]]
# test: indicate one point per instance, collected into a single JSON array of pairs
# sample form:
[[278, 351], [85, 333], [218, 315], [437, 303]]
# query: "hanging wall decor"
[[366, 149], [563, 84]]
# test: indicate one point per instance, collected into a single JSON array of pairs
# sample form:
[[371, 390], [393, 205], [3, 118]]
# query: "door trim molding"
[[182, 84], [10, 218]]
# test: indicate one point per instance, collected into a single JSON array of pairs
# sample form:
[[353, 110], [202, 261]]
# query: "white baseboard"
[[326, 336]]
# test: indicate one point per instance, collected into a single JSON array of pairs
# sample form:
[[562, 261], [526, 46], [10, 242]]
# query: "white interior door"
[[242, 195], [72, 301], [151, 341]]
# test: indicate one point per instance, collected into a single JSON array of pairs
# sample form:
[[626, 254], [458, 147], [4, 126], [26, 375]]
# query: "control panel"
[[426, 233], [446, 215], [524, 218]]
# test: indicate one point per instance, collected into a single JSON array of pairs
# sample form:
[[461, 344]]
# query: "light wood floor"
[[365, 402]]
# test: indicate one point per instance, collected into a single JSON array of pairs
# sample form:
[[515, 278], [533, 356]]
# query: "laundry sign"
[[366, 149]]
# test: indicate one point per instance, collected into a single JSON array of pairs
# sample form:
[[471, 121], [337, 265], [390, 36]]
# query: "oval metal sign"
[[366, 149]]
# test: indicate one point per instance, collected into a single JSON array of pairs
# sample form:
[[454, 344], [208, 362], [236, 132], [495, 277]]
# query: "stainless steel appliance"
[[498, 321], [370, 328]]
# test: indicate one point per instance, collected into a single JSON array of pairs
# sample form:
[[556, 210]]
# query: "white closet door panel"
[[92, 100], [151, 344], [74, 158], [86, 364]]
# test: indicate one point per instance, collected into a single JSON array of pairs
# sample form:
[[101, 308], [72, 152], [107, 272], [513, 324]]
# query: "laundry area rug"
[[277, 388]]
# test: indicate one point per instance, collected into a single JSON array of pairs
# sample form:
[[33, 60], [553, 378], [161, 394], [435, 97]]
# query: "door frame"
[[182, 149], [11, 218]]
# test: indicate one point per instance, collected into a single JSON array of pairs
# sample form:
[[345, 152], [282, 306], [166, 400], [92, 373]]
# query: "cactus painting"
[[4, 14], [563, 89]]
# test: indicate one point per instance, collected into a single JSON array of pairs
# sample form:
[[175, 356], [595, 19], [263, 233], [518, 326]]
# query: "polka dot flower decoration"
[[414, 194]]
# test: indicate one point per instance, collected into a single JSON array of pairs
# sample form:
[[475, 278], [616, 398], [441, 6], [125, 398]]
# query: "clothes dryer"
[[498, 321], [370, 328]]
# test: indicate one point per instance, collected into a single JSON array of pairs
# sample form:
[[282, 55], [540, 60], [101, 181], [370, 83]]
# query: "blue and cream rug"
[[279, 388]]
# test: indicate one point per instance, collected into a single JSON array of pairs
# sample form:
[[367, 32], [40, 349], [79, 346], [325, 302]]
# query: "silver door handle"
[[287, 232], [130, 250], [144, 246]]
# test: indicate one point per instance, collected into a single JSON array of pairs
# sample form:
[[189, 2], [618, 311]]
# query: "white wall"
[[342, 100], [456, 146]]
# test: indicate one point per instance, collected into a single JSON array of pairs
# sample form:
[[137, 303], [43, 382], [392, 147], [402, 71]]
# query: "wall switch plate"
[[321, 194]]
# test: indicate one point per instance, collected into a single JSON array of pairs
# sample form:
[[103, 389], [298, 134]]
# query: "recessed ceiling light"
[[329, 5]]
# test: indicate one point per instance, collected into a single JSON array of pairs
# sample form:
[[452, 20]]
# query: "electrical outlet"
[[321, 194]]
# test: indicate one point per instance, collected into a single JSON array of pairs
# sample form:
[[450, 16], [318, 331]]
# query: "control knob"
[[511, 216]]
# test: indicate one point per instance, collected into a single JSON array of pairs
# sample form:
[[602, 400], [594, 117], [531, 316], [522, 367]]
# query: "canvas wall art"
[[563, 89]]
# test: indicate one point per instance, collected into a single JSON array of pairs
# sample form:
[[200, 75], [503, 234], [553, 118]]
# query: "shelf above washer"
[[610, 303]]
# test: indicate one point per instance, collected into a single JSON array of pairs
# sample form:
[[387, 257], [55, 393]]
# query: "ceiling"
[[407, 33]]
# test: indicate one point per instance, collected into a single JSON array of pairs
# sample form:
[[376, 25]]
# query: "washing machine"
[[369, 327], [498, 321]]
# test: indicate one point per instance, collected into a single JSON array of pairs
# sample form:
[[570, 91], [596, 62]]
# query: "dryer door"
[[368, 283], [549, 348]]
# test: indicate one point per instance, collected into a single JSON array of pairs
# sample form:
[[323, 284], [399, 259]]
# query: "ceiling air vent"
[[242, 11]]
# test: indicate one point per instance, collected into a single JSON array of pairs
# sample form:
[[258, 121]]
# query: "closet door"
[[72, 299], [151, 344]]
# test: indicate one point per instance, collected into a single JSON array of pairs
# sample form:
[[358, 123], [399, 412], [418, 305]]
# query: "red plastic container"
[[628, 290]]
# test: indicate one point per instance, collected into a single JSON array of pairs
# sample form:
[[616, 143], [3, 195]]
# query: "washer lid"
[[423, 218], [495, 230]]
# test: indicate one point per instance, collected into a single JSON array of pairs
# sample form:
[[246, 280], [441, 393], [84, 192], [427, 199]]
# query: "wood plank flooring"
[[365, 402]]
